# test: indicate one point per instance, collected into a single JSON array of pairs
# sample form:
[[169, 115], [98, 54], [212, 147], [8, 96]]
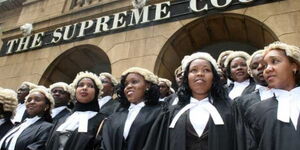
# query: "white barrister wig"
[[26, 29], [9, 100], [138, 3], [45, 92], [253, 55], [178, 71], [86, 74], [198, 55], [235, 54], [148, 75], [290, 50], [224, 53], [172, 90], [29, 85], [168, 82], [108, 75], [65, 86]]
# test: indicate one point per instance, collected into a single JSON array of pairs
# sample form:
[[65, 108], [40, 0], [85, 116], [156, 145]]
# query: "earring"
[[294, 71]]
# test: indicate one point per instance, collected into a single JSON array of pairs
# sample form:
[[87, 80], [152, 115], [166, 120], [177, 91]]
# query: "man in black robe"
[[243, 103], [106, 103], [22, 92], [61, 93]]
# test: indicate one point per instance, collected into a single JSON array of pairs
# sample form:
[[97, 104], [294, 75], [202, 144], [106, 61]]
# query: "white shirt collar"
[[264, 92], [133, 111], [238, 89], [19, 113], [203, 107], [2, 121], [57, 110], [161, 99], [103, 101], [79, 119], [288, 105]]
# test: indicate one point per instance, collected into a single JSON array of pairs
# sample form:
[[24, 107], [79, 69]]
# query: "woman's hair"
[[47, 114], [297, 74], [217, 91], [150, 98]]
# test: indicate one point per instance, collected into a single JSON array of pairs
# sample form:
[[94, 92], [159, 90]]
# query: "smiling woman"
[[78, 131], [237, 71], [34, 131], [202, 119], [128, 128]]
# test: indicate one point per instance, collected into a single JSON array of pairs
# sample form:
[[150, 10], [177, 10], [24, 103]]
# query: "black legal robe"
[[34, 137], [77, 140], [5, 127], [220, 137], [114, 127], [62, 114], [240, 106], [109, 107], [268, 133]]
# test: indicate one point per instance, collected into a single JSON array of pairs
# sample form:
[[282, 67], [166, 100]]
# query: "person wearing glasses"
[[61, 93]]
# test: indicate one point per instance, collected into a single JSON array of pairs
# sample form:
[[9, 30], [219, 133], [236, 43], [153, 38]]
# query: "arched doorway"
[[214, 34], [81, 58]]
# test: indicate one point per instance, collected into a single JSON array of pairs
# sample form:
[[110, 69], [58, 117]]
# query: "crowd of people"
[[239, 102]]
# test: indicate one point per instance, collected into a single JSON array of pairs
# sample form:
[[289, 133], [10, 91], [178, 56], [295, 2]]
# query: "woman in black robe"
[[33, 132], [128, 127], [273, 124], [203, 118], [8, 104], [78, 131], [237, 71]]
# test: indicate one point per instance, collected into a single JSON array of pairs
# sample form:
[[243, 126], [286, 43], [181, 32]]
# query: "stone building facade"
[[158, 44]]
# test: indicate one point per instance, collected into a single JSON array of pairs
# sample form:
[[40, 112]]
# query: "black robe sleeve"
[[5, 127], [34, 137], [138, 134], [77, 140], [266, 131]]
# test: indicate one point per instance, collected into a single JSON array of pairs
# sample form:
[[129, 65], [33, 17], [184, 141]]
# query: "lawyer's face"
[[279, 70], [163, 89], [85, 91], [256, 68], [22, 92], [200, 78], [60, 96], [238, 69], [135, 87], [108, 87], [36, 104]]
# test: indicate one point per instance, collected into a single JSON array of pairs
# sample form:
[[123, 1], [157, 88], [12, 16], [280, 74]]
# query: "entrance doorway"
[[212, 34], [81, 58]]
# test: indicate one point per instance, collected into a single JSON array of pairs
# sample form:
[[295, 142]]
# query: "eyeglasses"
[[58, 91]]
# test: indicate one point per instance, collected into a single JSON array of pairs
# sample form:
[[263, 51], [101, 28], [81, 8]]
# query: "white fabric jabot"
[[288, 105], [14, 134], [175, 102], [238, 89], [19, 113], [264, 92], [161, 99], [103, 101], [133, 111], [57, 110], [199, 114], [79, 119], [2, 121]]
